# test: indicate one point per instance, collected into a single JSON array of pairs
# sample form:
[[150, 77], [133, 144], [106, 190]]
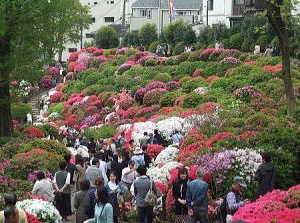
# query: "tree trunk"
[[5, 113], [279, 26]]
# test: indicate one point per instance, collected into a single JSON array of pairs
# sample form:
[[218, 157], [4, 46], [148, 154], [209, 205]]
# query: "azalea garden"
[[230, 106]]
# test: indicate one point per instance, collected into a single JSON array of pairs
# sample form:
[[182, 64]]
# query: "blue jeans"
[[199, 215]]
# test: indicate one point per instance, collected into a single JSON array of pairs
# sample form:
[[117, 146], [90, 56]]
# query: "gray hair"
[[200, 173]]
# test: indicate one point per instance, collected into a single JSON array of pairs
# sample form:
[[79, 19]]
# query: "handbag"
[[150, 198], [75, 176]]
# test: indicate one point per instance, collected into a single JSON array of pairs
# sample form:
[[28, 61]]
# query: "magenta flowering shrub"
[[123, 100], [122, 50], [143, 59], [230, 62], [147, 110], [246, 94], [124, 67], [276, 206], [45, 82], [73, 57], [88, 121], [156, 84], [139, 95], [94, 50], [79, 68], [152, 97], [57, 97], [53, 71], [172, 85], [135, 57], [83, 58]]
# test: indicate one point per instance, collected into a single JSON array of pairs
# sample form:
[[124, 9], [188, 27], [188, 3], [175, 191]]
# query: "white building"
[[157, 12], [217, 11], [103, 12]]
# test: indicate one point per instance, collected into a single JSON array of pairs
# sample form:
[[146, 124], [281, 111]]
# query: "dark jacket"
[[266, 177], [179, 191]]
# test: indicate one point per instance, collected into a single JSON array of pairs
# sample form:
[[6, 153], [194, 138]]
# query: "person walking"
[[92, 172], [265, 176], [179, 193], [43, 187], [234, 198], [141, 188], [79, 174], [196, 198], [79, 201], [11, 214], [61, 183], [103, 209], [176, 138]]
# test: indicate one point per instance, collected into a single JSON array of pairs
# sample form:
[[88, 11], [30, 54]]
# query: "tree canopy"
[[106, 37]]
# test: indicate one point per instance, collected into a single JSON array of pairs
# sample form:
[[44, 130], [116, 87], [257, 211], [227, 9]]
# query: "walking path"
[[34, 103]]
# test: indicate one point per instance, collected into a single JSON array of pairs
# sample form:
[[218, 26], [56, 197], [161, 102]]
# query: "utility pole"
[[123, 22], [207, 12]]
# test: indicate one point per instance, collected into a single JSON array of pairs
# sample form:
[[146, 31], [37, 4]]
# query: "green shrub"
[[57, 107], [170, 61], [191, 85], [216, 94], [247, 45], [9, 150], [163, 77], [150, 62], [111, 51], [104, 132], [263, 42], [243, 57], [236, 41], [243, 70], [93, 89], [258, 121], [185, 68], [74, 87], [168, 99], [153, 46], [106, 81], [212, 68], [130, 52], [220, 83], [178, 49], [126, 81], [47, 145], [181, 58], [108, 70], [237, 81], [257, 75], [272, 61], [192, 100], [19, 111], [194, 56], [252, 57]]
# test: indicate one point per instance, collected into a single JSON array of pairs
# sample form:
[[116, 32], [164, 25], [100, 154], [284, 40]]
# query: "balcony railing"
[[237, 10]]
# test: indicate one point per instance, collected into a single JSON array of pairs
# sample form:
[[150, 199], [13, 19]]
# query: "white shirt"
[[103, 168], [83, 151], [44, 188], [128, 178]]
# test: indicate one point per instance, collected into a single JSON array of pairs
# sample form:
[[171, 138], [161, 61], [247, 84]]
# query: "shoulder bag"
[[151, 198]]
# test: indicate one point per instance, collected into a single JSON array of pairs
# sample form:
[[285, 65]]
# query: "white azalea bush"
[[43, 210], [167, 126], [167, 155]]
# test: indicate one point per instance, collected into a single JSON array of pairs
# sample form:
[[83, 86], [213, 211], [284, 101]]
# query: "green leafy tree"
[[148, 34], [132, 38], [24, 30], [179, 31], [106, 37], [279, 15], [210, 34]]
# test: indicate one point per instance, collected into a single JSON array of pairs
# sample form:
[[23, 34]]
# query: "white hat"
[[137, 150]]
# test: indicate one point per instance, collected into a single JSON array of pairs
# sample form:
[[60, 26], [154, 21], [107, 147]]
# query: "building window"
[[89, 35], [109, 19], [211, 5], [95, 3], [112, 2], [93, 19], [143, 13], [149, 14], [71, 50], [239, 2], [184, 12]]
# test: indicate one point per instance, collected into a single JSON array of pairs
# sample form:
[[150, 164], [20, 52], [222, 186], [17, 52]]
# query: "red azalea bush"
[[163, 188], [73, 57], [170, 201], [198, 73], [276, 206], [57, 97], [218, 137], [189, 151], [130, 112], [32, 219], [169, 110], [212, 78], [33, 132], [154, 150], [71, 66], [208, 107], [45, 82], [187, 113], [172, 85], [146, 111]]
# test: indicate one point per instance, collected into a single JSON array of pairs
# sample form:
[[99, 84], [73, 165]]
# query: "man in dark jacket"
[[266, 176]]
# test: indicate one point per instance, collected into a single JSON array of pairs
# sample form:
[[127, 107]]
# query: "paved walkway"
[[34, 103]]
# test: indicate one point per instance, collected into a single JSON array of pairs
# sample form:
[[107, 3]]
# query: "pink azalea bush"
[[276, 206], [153, 96]]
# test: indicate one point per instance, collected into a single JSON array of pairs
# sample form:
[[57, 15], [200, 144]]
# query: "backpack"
[[222, 210]]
